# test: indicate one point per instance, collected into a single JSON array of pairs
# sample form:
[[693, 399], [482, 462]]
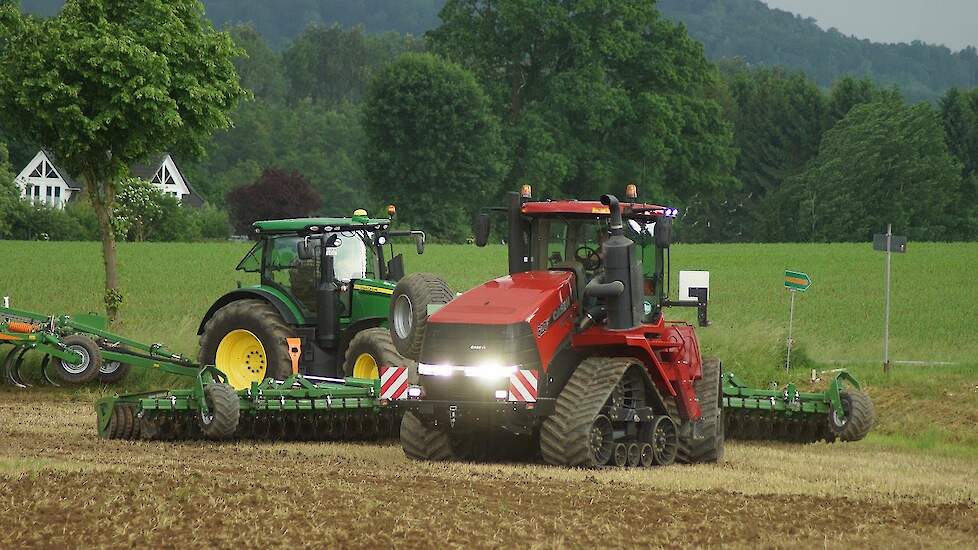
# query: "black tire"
[[860, 416], [91, 360], [112, 372], [569, 437], [262, 320], [409, 310], [421, 442], [225, 411], [709, 446], [375, 342]]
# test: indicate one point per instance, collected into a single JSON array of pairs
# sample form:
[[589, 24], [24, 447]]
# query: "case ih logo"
[[545, 324], [477, 348]]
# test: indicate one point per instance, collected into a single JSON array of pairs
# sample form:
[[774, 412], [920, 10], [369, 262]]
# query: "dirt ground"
[[61, 486]]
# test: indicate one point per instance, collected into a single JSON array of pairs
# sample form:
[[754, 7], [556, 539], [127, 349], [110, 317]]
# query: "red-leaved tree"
[[277, 194]]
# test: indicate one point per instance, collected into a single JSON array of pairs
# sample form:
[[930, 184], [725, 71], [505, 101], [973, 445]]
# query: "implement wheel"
[[112, 372], [860, 416], [369, 350], [224, 414], [709, 446], [409, 310], [247, 341], [90, 365]]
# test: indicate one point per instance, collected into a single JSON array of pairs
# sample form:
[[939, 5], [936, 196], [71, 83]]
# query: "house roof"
[[148, 170], [72, 184]]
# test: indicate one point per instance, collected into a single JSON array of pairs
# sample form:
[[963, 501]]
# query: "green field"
[[168, 287]]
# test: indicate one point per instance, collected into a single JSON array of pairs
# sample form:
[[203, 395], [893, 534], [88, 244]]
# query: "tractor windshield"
[[299, 278], [567, 242]]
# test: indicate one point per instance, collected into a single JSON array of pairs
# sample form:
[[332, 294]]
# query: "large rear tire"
[[860, 416], [409, 310], [246, 340], [709, 446]]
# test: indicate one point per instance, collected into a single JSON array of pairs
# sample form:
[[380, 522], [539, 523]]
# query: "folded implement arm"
[[842, 412]]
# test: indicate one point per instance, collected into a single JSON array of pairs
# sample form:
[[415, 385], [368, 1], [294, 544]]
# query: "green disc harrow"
[[298, 408], [837, 414]]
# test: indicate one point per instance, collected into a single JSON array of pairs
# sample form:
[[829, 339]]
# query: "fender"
[[289, 312]]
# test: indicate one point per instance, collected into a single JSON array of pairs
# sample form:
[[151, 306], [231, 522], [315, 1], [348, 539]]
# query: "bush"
[[214, 223]]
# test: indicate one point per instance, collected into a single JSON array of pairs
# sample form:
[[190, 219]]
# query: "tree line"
[[578, 102]]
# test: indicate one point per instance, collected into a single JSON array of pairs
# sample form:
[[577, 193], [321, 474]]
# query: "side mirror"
[[395, 268], [306, 250], [663, 233], [419, 242], [481, 229]]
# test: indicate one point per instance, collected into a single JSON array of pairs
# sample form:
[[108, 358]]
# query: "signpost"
[[888, 243], [795, 282]]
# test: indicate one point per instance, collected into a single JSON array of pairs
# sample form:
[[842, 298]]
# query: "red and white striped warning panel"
[[523, 386], [393, 383]]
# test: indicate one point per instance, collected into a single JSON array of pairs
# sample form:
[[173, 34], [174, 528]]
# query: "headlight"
[[490, 371], [434, 370]]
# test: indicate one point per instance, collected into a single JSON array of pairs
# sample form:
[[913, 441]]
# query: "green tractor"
[[326, 289]]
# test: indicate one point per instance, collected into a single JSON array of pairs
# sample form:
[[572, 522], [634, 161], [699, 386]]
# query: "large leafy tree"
[[594, 95], [433, 145], [106, 83], [959, 113], [277, 194], [885, 162]]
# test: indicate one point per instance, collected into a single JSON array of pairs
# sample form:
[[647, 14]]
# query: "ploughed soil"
[[62, 486]]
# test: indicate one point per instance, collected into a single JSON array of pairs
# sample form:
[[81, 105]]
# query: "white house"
[[43, 182]]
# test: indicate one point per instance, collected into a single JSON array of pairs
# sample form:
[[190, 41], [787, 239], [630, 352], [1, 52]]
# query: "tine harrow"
[[296, 409], [793, 416]]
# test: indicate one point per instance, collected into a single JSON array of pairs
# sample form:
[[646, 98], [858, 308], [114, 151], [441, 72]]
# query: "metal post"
[[6, 301], [886, 302], [791, 320]]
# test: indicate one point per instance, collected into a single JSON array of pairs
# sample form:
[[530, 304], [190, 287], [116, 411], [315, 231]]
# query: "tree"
[[277, 194], [594, 95], [259, 67], [433, 146], [959, 113], [107, 83], [9, 194], [139, 206], [885, 162]]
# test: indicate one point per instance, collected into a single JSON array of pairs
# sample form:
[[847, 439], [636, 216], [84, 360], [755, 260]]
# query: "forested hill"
[[747, 29], [750, 30]]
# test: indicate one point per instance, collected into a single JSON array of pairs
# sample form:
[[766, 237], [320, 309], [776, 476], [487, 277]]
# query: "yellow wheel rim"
[[241, 356], [366, 367]]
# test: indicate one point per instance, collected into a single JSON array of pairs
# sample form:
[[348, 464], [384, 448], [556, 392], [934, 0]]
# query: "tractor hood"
[[516, 320], [521, 297]]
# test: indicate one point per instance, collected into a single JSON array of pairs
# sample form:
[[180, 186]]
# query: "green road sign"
[[796, 281]]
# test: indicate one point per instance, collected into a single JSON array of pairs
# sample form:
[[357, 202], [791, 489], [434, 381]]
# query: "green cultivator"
[[795, 416], [298, 408]]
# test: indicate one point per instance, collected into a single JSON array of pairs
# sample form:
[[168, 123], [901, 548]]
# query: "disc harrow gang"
[[295, 409], [793, 416]]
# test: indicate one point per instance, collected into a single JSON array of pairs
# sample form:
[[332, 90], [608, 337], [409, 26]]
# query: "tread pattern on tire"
[[225, 408], [861, 417], [95, 360], [423, 443], [710, 447], [423, 289], [379, 343], [278, 363], [564, 435]]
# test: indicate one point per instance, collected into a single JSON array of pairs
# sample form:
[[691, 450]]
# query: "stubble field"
[[910, 484]]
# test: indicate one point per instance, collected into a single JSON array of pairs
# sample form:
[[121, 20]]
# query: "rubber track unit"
[[422, 289], [423, 443], [708, 448], [860, 416], [564, 435]]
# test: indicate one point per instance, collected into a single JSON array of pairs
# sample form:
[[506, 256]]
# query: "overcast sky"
[[953, 23]]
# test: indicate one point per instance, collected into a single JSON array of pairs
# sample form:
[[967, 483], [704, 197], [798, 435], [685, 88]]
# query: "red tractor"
[[570, 354]]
